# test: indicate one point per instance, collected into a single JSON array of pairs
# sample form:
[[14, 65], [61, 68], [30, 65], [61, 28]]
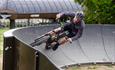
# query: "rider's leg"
[[48, 43], [50, 40], [55, 31], [60, 42], [53, 34], [63, 40]]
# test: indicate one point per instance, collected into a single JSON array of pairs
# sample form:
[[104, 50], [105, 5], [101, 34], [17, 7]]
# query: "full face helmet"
[[80, 15], [78, 18]]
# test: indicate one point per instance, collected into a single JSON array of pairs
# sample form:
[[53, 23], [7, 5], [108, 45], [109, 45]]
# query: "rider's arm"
[[79, 34], [69, 14], [65, 15], [57, 30], [80, 31], [61, 29], [83, 24]]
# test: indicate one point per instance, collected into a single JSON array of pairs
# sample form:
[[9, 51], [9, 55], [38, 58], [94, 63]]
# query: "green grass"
[[2, 30]]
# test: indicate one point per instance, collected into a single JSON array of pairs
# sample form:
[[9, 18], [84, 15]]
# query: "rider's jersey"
[[71, 29], [74, 31]]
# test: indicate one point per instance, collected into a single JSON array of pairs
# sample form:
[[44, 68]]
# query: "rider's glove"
[[70, 40], [58, 16]]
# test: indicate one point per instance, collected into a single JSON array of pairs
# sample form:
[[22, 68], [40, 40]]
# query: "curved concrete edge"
[[105, 51], [9, 33], [11, 60], [97, 44]]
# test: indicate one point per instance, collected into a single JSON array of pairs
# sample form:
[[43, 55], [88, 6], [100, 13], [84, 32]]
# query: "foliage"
[[98, 11]]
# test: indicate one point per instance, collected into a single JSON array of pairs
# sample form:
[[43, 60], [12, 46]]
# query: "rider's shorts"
[[70, 34]]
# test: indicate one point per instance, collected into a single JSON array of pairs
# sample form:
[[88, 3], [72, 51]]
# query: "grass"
[[2, 30], [93, 67]]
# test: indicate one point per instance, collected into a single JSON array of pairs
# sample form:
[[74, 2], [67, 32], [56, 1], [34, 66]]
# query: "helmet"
[[78, 18], [80, 15]]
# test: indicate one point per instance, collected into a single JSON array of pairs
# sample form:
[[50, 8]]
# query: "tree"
[[98, 11]]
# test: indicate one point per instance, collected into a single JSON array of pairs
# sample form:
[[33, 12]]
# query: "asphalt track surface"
[[97, 45]]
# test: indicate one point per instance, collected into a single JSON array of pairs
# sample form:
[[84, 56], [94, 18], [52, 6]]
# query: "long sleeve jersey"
[[75, 30]]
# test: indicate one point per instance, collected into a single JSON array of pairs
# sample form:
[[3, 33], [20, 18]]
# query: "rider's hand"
[[70, 40], [59, 15]]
